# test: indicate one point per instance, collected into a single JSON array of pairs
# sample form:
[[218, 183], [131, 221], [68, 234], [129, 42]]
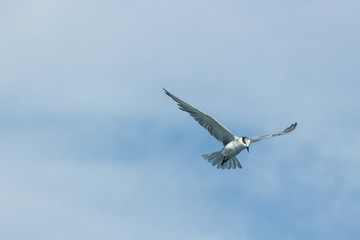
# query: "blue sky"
[[91, 148]]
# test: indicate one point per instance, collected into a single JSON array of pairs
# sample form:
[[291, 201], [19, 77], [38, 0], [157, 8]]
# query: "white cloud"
[[67, 199]]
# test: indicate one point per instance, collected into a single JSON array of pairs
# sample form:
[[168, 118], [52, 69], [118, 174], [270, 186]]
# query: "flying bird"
[[233, 145]]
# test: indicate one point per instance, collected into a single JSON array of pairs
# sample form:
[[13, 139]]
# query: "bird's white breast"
[[233, 148]]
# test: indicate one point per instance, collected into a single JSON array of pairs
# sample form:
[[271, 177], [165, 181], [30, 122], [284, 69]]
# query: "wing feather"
[[215, 128], [287, 130]]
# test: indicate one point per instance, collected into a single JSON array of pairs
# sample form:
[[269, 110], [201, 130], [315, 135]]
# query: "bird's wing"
[[287, 130], [215, 128]]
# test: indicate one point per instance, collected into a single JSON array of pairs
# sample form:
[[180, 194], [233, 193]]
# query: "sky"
[[91, 147]]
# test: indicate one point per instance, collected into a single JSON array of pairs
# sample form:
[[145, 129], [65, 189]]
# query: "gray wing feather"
[[215, 128], [287, 130]]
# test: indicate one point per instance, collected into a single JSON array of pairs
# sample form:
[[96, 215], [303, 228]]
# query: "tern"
[[233, 145]]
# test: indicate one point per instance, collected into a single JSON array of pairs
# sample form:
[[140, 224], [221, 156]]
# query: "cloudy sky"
[[91, 147]]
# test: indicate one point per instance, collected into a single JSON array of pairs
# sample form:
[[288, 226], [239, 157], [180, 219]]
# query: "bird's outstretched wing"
[[215, 128], [287, 130]]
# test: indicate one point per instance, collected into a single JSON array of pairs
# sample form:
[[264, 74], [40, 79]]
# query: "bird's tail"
[[216, 158]]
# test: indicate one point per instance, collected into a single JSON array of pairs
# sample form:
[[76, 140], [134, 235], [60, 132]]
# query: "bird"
[[233, 145]]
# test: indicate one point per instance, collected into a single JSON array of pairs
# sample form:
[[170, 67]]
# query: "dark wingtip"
[[293, 126], [166, 92]]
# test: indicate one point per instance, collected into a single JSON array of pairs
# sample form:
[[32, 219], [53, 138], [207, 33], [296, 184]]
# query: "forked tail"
[[216, 158]]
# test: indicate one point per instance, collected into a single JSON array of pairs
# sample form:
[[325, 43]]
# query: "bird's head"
[[246, 142]]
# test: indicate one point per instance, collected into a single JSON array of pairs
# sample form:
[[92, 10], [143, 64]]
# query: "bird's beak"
[[247, 148]]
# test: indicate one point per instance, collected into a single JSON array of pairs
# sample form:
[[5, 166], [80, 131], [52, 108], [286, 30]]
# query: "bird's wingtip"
[[293, 126], [166, 91]]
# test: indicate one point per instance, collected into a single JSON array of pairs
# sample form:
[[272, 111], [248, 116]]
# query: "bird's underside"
[[233, 145]]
